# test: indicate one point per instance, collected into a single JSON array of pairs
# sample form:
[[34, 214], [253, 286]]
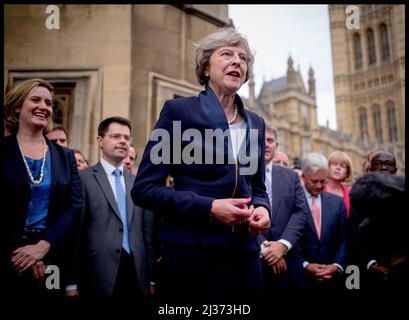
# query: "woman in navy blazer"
[[41, 190], [218, 203]]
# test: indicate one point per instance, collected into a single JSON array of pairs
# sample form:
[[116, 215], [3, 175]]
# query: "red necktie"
[[316, 215]]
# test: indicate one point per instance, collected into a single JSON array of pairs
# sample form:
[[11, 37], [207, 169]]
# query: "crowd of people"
[[177, 230]]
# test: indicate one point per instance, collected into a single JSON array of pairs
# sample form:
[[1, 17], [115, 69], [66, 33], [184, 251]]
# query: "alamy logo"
[[352, 21], [53, 20], [53, 277], [353, 279], [168, 150]]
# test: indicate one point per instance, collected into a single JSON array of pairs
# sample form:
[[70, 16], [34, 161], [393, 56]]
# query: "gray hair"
[[270, 127], [206, 46], [314, 162]]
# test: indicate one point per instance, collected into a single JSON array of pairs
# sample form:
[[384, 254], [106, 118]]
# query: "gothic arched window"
[[363, 123], [392, 124], [371, 46], [357, 51], [384, 42], [378, 123]]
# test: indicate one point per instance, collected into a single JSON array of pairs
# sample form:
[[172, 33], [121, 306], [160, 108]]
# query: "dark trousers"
[[127, 284]]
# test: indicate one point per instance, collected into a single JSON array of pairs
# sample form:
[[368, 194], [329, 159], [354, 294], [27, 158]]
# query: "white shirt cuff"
[[71, 287], [370, 263], [305, 263], [339, 266], [286, 243]]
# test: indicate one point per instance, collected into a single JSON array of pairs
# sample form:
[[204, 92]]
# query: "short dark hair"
[[104, 125]]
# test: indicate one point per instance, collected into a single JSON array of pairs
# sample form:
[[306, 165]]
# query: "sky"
[[274, 32]]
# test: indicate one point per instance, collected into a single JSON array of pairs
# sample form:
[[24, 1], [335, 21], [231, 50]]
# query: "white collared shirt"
[[237, 134], [269, 170], [109, 168]]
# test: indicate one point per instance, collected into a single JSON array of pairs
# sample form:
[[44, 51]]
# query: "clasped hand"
[[28, 256], [322, 271], [273, 254], [236, 211]]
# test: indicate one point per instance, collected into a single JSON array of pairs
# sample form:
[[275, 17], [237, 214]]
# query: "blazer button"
[[121, 229]]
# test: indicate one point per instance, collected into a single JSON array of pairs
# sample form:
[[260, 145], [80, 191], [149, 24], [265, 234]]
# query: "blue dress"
[[40, 193]]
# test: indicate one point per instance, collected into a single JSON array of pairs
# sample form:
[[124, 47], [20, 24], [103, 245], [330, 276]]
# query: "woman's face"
[[36, 110], [337, 171], [227, 69]]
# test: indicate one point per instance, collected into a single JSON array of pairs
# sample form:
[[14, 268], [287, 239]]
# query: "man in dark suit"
[[114, 246], [288, 219], [323, 245], [378, 236]]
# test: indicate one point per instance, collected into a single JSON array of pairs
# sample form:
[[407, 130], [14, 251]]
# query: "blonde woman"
[[340, 170], [42, 189]]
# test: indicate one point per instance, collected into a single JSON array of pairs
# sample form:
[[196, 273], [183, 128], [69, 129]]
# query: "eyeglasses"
[[380, 164], [117, 137]]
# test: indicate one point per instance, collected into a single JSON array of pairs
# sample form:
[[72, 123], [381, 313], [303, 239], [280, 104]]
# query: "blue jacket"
[[186, 207]]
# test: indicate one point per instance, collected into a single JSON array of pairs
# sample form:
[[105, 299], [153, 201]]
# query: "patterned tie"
[[121, 201], [268, 186], [316, 215]]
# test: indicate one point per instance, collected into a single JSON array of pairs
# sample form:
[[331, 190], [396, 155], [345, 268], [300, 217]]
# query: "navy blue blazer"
[[186, 207], [65, 197], [332, 245], [290, 209]]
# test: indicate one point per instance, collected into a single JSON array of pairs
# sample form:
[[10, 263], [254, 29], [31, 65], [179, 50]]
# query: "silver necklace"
[[40, 179], [236, 111]]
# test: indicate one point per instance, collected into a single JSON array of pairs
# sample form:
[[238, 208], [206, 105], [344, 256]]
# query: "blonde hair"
[[225, 37], [15, 97], [337, 157]]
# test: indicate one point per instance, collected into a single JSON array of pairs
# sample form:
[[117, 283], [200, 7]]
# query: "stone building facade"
[[126, 60], [369, 75], [369, 78], [291, 107], [107, 60]]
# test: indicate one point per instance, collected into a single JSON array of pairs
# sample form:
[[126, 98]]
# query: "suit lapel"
[[312, 224], [325, 214], [246, 143], [128, 186], [54, 162], [275, 191], [17, 160], [103, 182], [213, 110]]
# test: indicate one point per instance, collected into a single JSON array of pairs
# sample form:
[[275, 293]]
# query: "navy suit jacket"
[[186, 207], [290, 209], [65, 196], [288, 221], [332, 245]]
